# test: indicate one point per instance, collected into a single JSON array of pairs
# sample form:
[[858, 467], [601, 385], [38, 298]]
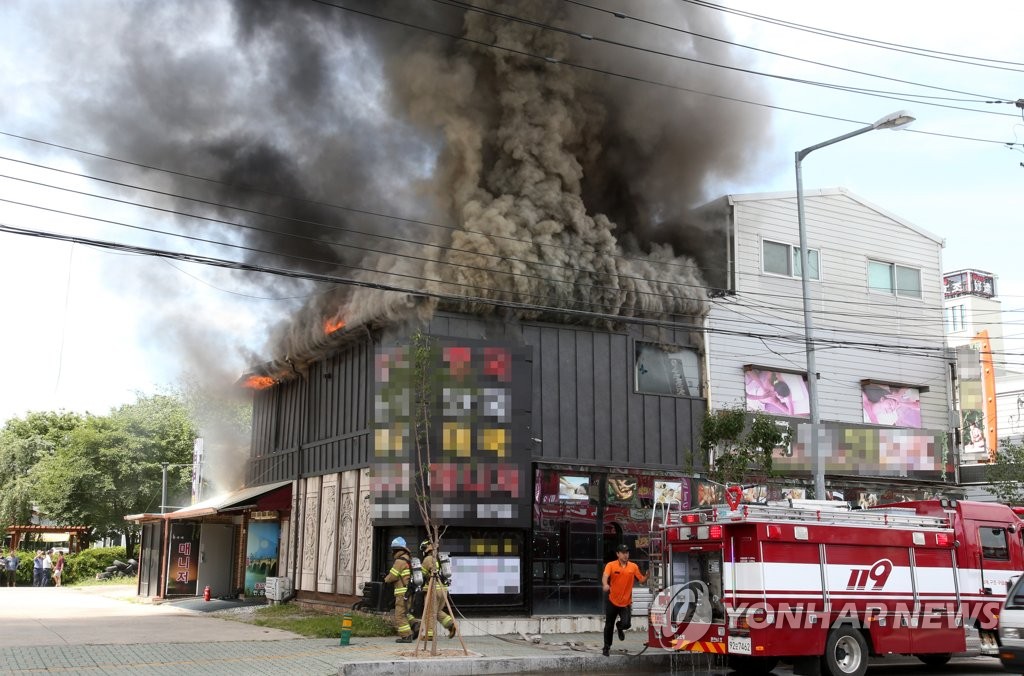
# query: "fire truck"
[[824, 586]]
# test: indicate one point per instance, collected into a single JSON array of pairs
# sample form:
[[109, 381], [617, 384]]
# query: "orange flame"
[[259, 382], [332, 325]]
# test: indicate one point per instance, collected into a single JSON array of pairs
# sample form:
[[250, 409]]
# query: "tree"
[[110, 466], [741, 445], [23, 443], [1006, 474]]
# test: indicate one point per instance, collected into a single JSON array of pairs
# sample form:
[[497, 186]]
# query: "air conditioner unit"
[[278, 588]]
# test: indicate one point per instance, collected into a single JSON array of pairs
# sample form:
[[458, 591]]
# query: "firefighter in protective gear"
[[399, 576], [431, 570]]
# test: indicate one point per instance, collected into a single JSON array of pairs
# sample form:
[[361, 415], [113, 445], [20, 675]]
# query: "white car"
[[1011, 629]]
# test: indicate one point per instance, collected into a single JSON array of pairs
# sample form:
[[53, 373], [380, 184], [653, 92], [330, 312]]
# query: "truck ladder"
[[656, 552], [831, 512]]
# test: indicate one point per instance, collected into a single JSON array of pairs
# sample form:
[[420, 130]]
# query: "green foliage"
[[742, 444], [1006, 474], [316, 624], [93, 470], [24, 442], [88, 562]]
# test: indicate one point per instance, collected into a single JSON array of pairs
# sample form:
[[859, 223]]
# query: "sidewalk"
[[324, 656], [104, 630]]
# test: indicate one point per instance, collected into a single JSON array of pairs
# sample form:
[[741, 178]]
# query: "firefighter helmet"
[[399, 543], [426, 546]]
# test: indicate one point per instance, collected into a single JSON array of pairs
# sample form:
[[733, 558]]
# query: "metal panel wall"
[[585, 408], [316, 424]]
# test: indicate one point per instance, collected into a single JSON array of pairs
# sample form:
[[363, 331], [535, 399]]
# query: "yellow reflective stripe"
[[395, 571], [403, 628], [399, 591]]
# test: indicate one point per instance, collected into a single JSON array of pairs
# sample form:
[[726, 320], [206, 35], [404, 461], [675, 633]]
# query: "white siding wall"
[[847, 233]]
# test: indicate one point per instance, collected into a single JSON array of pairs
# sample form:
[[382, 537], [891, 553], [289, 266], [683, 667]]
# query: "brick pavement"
[[105, 630]]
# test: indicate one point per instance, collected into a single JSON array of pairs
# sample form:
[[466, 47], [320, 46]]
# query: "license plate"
[[739, 645]]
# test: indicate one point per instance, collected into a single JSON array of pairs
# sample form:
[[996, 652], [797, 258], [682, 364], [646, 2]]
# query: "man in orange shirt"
[[617, 582]]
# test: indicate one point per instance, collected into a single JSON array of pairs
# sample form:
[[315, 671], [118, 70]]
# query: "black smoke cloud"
[[550, 186]]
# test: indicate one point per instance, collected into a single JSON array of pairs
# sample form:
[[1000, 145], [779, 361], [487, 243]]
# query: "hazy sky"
[[83, 329]]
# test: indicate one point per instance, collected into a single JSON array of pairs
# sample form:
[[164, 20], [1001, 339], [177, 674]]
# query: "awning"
[[240, 499]]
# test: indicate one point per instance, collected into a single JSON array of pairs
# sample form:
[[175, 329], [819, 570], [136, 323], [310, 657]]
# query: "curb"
[[470, 666]]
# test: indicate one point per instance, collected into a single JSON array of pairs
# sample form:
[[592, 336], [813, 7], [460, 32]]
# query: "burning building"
[[554, 308], [512, 184]]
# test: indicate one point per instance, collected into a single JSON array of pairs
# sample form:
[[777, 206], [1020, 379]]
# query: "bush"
[[87, 563]]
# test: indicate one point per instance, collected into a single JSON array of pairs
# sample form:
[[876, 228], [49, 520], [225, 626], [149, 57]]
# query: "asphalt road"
[[891, 666]]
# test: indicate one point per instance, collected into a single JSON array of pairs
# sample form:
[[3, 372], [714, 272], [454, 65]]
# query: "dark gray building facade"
[[549, 445]]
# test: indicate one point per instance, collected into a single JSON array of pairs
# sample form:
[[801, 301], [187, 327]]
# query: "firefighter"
[[399, 576], [431, 569]]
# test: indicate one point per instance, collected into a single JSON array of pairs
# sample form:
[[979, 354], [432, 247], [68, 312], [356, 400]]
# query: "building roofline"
[[831, 192]]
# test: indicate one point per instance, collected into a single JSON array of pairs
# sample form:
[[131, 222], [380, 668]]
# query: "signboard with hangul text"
[[183, 559]]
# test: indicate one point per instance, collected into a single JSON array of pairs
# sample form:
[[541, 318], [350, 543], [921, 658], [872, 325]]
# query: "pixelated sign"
[[479, 460]]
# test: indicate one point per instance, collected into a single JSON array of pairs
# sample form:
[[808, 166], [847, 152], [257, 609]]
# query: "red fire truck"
[[824, 586]]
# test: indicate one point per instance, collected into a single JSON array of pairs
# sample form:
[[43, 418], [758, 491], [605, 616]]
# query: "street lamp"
[[163, 482], [893, 121]]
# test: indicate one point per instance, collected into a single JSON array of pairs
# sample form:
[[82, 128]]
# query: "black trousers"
[[611, 613]]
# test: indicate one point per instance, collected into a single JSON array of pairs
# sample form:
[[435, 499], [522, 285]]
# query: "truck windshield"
[[698, 567]]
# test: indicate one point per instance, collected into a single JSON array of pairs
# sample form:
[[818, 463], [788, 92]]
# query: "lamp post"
[[893, 121]]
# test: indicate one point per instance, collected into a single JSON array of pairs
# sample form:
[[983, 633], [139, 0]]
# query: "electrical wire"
[[632, 78], [761, 306], [512, 305], [336, 280], [893, 46], [821, 211], [623, 15], [748, 71]]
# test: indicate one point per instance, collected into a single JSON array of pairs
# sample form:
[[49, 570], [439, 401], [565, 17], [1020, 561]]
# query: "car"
[[1011, 628]]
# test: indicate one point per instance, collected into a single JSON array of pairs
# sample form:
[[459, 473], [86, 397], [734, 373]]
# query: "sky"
[[86, 329]]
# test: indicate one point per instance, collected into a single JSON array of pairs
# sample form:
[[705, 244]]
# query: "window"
[[783, 259], [891, 278], [672, 371], [993, 544], [956, 318]]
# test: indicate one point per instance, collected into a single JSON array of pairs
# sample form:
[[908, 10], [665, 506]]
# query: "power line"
[[635, 78], [623, 15], [354, 267], [737, 69], [848, 302], [824, 343], [317, 240], [893, 46], [513, 305]]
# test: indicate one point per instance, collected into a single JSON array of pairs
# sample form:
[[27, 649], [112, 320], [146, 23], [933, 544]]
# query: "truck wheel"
[[935, 659], [846, 653], [752, 666]]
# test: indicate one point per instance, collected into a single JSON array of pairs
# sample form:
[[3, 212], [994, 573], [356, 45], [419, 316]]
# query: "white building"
[[883, 370], [972, 307]]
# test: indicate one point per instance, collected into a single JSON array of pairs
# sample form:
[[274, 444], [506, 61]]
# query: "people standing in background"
[[12, 568], [37, 569], [58, 569], [47, 569]]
